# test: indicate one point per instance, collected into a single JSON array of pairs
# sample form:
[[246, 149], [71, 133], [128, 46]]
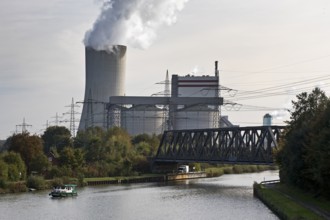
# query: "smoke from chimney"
[[131, 22]]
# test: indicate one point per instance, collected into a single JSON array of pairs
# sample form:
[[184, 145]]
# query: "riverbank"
[[216, 171], [39, 183], [291, 203], [209, 172]]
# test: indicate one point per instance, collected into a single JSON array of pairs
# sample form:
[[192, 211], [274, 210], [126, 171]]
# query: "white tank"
[[105, 77], [194, 118], [267, 120], [142, 119]]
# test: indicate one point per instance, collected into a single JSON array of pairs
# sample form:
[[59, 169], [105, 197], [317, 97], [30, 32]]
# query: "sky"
[[268, 52]]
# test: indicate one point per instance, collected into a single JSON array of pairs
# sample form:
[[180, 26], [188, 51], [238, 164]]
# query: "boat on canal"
[[64, 190]]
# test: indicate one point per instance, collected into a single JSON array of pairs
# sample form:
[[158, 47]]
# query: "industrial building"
[[193, 102]]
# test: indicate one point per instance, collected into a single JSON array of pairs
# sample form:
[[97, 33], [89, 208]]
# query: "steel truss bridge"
[[232, 145]]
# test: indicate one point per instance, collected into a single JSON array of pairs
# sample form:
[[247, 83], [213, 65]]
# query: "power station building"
[[192, 103]]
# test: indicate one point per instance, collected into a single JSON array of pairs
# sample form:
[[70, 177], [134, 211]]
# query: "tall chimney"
[[216, 69], [105, 77]]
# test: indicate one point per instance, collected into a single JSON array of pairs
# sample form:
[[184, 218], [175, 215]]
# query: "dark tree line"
[[92, 153], [304, 154]]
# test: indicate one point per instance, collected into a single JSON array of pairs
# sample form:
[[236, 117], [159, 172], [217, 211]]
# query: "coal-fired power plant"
[[192, 103], [105, 77]]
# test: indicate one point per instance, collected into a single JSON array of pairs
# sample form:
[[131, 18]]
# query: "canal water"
[[225, 197]]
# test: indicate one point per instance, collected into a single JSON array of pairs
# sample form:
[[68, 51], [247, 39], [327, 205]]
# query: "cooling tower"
[[105, 77]]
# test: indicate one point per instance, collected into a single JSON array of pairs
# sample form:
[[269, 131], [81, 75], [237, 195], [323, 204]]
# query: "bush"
[[214, 172], [16, 187], [54, 172], [36, 182], [3, 183], [250, 169], [56, 182], [238, 169], [228, 170], [13, 173], [3, 170]]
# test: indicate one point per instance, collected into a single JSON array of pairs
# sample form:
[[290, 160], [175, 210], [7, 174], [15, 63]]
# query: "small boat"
[[64, 191]]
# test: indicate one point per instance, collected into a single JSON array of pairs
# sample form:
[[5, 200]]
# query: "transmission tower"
[[167, 93], [72, 120], [56, 119], [89, 121], [23, 126]]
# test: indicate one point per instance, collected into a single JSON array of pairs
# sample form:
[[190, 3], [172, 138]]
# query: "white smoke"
[[131, 22]]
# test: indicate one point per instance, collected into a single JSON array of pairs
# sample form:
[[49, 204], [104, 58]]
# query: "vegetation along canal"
[[225, 197]]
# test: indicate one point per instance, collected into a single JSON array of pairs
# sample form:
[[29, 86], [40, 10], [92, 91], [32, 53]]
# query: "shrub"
[[3, 183], [3, 170], [56, 182], [36, 182], [16, 187], [54, 172], [13, 173], [228, 170], [238, 169], [214, 172], [250, 169]]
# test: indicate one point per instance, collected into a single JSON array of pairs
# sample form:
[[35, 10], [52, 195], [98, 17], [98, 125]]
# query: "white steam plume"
[[131, 22]]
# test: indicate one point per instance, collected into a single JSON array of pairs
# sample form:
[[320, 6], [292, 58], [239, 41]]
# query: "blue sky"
[[268, 52]]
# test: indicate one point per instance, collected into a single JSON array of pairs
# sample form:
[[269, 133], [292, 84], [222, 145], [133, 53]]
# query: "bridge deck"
[[238, 145]]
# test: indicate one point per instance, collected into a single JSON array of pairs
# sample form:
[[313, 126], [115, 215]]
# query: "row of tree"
[[92, 153], [304, 154]]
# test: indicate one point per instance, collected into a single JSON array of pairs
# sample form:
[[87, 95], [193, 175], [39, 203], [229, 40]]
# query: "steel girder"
[[239, 145]]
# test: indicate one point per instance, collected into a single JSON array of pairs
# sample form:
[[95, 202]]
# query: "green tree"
[[16, 166], [56, 136], [95, 151], [39, 163], [28, 146], [152, 142], [143, 148], [317, 156], [292, 149], [83, 138], [72, 158], [3, 170]]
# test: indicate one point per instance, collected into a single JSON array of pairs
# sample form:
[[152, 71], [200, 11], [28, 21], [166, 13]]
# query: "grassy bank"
[[38, 182], [291, 203], [236, 169], [123, 179]]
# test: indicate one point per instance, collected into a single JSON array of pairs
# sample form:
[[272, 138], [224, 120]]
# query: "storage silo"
[[105, 77], [142, 119], [196, 117], [267, 120]]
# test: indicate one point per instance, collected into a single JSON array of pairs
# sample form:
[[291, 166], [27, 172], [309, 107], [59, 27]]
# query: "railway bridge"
[[230, 145]]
